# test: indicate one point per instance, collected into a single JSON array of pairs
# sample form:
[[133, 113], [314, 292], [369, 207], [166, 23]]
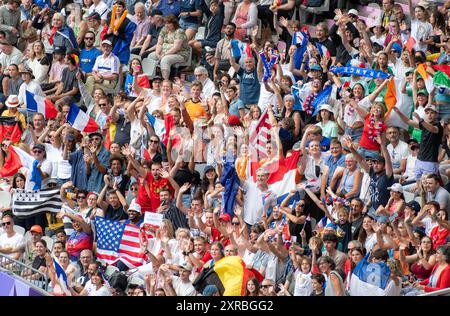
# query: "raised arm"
[[362, 162]]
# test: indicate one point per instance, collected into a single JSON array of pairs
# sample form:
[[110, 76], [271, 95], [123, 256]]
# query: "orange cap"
[[36, 229]]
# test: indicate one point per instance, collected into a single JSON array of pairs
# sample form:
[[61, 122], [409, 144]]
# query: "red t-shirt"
[[151, 187], [438, 236], [365, 141], [217, 236]]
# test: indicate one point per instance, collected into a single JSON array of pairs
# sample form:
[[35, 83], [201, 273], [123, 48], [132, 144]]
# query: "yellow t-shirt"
[[18, 115]]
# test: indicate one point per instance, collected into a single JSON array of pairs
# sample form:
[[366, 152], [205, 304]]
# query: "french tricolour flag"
[[62, 278], [281, 174], [323, 50], [158, 125], [371, 279], [80, 120], [39, 104]]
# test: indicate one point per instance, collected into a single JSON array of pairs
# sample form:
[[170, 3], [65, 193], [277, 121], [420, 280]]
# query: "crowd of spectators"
[[176, 107]]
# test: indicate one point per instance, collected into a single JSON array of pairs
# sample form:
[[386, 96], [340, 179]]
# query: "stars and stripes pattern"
[[116, 240], [30, 202], [261, 136]]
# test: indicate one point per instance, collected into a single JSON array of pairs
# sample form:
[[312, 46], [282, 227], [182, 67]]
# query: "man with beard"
[[223, 51], [89, 53]]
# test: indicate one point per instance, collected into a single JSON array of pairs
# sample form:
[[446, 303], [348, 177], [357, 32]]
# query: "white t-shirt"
[[101, 9], [183, 288], [14, 242], [255, 202], [398, 153], [208, 89], [351, 115], [54, 155], [420, 31], [110, 64], [410, 166], [92, 290], [303, 284]]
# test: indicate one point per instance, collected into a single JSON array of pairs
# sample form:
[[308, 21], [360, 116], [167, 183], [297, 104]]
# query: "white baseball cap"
[[396, 187]]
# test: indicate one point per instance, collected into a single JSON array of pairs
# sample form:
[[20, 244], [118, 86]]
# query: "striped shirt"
[[109, 64]]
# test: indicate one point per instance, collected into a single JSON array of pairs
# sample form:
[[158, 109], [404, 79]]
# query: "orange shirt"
[[195, 110]]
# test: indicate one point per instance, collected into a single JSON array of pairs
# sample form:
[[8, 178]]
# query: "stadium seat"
[[315, 11], [19, 229]]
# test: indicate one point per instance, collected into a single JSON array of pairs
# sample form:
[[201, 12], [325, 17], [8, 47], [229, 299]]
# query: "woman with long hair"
[[440, 275], [252, 288], [136, 79], [97, 286], [38, 62], [423, 261]]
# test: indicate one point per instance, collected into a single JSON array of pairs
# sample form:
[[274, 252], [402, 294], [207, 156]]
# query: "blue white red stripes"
[[40, 104], [80, 120]]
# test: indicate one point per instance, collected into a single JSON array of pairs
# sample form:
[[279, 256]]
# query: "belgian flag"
[[229, 274], [10, 129]]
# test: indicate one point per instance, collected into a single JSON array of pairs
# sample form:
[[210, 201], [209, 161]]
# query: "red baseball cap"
[[225, 217]]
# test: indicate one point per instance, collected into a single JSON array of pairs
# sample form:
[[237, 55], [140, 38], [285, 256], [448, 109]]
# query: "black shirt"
[[117, 214], [176, 217], [429, 143], [379, 194]]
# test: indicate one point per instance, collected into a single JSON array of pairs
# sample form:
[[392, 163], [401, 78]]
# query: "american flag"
[[261, 136], [116, 241]]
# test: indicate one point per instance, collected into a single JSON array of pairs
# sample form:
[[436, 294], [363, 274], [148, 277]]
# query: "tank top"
[[420, 272], [329, 290], [349, 180]]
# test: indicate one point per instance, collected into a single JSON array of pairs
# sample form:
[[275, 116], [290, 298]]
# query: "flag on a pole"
[[80, 120], [118, 241], [39, 104], [10, 129], [230, 181], [30, 202]]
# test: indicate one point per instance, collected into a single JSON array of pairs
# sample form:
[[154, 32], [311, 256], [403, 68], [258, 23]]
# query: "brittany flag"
[[39, 104], [80, 120]]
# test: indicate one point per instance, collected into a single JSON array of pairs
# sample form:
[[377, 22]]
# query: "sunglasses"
[[37, 151], [301, 205], [134, 189], [6, 224], [264, 286], [102, 104], [154, 141], [89, 38], [235, 223]]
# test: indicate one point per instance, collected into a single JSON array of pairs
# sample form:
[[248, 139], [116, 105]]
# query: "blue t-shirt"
[[249, 86], [235, 106], [190, 6], [168, 9], [87, 59]]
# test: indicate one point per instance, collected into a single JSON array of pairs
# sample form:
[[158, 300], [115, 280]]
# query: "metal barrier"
[[26, 273], [444, 292]]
